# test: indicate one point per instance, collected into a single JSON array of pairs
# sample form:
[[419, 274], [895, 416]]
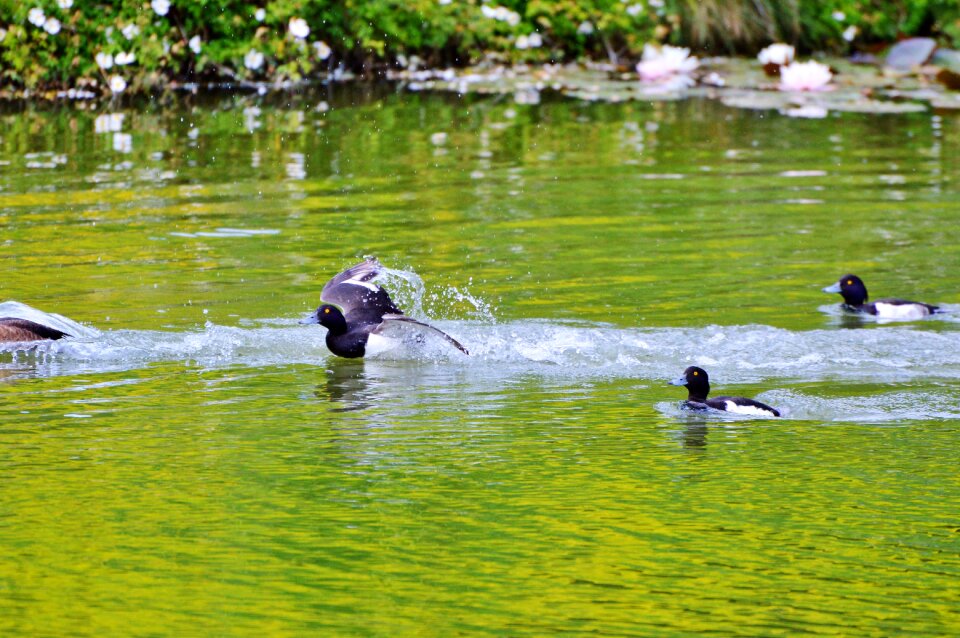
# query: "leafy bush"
[[47, 44]]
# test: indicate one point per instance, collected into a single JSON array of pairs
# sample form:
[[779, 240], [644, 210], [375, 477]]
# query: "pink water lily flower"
[[805, 76], [659, 63]]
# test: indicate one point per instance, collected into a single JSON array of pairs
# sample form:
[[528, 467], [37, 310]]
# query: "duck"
[[697, 383], [855, 298], [355, 310], [13, 330]]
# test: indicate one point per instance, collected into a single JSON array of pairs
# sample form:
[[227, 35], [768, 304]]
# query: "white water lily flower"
[[260, 14], [850, 33], [117, 84], [805, 76], [323, 51], [777, 53], [253, 60], [104, 60], [130, 31], [64, 4], [36, 17], [299, 28], [51, 26], [195, 44], [665, 61], [124, 58], [585, 28], [160, 7]]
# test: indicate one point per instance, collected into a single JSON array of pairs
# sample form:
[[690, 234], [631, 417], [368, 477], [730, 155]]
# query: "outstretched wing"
[[401, 318], [361, 300]]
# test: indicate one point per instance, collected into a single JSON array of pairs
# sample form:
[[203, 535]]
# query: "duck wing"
[[12, 329], [404, 319], [361, 300]]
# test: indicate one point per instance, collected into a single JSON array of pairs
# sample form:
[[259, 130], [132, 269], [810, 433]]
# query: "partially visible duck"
[[14, 330], [354, 310], [698, 387], [855, 298]]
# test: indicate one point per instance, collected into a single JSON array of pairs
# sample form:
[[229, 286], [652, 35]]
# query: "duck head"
[[328, 316], [696, 381], [851, 288]]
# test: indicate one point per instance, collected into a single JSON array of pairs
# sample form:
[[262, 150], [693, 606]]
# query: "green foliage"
[[229, 37]]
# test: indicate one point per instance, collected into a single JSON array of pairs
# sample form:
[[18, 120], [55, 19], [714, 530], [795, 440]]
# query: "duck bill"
[[834, 288], [313, 317], [678, 381]]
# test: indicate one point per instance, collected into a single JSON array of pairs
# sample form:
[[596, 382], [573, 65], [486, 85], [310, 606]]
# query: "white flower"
[[253, 60], [777, 53], [260, 14], [850, 33], [104, 60], [585, 28], [160, 7], [839, 16], [634, 9], [117, 84], [35, 17], [502, 14], [523, 42], [665, 61], [656, 3], [124, 58], [323, 51], [536, 40], [804, 76], [443, 3], [3, 34], [108, 123], [195, 44], [51, 26], [130, 31], [299, 28], [64, 4]]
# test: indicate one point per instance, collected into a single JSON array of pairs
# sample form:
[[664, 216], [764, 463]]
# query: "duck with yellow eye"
[[354, 310], [855, 298], [698, 387]]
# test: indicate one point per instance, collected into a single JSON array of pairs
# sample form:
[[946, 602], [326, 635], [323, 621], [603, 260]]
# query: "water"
[[196, 462]]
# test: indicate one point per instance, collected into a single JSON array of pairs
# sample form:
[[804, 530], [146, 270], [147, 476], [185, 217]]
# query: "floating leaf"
[[909, 53]]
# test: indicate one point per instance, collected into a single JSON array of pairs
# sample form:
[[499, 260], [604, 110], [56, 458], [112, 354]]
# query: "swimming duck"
[[698, 387], [13, 330], [354, 310], [855, 300]]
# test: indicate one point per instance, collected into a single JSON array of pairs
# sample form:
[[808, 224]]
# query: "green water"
[[202, 466]]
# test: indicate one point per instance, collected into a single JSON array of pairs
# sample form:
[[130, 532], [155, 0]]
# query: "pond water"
[[195, 462]]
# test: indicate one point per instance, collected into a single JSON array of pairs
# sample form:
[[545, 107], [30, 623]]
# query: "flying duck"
[[354, 310]]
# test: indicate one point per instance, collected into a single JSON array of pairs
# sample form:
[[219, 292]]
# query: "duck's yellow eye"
[[849, 282], [695, 373], [326, 311]]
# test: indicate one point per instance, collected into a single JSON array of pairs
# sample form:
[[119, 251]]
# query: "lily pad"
[[909, 53]]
